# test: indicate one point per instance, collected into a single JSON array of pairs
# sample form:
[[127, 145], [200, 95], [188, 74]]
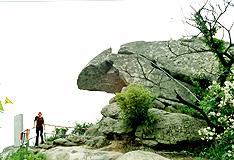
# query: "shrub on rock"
[[135, 103]]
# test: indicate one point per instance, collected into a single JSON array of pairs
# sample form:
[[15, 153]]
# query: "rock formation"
[[111, 72], [170, 128], [61, 150]]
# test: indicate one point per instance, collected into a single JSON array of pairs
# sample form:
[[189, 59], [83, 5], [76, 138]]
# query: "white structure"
[[18, 127]]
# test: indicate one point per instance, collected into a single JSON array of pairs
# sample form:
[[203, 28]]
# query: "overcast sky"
[[45, 45]]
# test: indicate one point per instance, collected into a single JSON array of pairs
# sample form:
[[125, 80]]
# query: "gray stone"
[[97, 142], [158, 104], [171, 128], [112, 110], [112, 100], [63, 142], [47, 146], [150, 143], [111, 72], [94, 131], [79, 153], [100, 75], [79, 139], [124, 50], [106, 125], [141, 155], [124, 89], [170, 109], [110, 127]]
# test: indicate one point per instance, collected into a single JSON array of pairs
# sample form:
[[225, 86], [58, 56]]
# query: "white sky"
[[45, 45]]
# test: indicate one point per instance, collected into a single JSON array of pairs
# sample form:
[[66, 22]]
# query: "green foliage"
[[199, 87], [81, 131], [52, 138], [190, 111], [134, 103], [21, 155], [1, 108], [58, 133], [38, 156], [218, 104], [216, 45], [209, 29]]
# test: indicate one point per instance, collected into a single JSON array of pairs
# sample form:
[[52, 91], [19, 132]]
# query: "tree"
[[217, 104], [207, 21]]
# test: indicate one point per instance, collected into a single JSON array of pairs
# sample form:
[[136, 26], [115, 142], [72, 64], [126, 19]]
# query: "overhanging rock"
[[100, 75], [111, 72]]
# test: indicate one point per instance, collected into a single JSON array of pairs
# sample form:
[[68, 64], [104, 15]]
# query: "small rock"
[[97, 142], [112, 100], [63, 142], [158, 104], [112, 110]]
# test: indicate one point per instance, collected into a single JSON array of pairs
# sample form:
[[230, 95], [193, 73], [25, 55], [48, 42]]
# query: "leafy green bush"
[[58, 133], [52, 138], [135, 103], [81, 131], [38, 156], [190, 111]]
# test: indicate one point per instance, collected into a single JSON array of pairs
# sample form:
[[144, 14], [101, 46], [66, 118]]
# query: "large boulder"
[[97, 142], [85, 152], [111, 72], [170, 128], [80, 153], [100, 75], [110, 124]]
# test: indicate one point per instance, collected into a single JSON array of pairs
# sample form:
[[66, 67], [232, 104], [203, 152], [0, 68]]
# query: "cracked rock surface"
[[111, 72], [170, 128]]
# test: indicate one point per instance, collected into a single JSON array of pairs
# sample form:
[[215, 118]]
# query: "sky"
[[45, 45]]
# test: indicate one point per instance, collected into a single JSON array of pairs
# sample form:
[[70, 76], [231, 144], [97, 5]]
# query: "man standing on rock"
[[39, 127]]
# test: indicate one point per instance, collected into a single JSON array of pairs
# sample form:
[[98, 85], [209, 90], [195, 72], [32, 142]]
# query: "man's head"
[[39, 114]]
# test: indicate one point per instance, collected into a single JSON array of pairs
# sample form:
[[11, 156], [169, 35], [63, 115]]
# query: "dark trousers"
[[41, 134]]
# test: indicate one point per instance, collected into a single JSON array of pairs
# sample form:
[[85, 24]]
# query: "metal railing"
[[24, 135]]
